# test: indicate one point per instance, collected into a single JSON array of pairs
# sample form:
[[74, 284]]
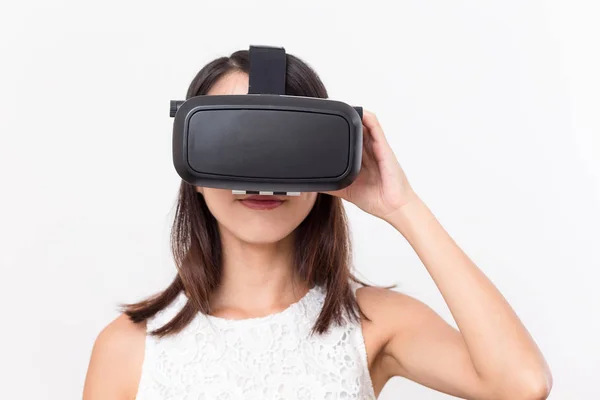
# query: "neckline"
[[292, 308]]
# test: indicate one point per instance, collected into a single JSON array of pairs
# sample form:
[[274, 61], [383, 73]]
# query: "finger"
[[368, 158], [376, 151], [374, 127]]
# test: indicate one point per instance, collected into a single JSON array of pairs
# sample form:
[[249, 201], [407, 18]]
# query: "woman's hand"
[[381, 187]]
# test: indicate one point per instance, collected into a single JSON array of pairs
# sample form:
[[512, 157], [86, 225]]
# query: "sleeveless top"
[[270, 357]]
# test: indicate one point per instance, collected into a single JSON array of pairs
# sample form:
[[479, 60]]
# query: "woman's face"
[[250, 221]]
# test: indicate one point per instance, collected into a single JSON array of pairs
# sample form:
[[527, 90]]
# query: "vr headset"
[[267, 142]]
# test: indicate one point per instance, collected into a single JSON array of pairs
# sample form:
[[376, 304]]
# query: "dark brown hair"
[[322, 248]]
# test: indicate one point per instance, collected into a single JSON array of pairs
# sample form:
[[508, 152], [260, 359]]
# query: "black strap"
[[267, 70]]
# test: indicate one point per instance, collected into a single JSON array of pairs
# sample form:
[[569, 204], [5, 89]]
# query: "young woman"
[[264, 304]]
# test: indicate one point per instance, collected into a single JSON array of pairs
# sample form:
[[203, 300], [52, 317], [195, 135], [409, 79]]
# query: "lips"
[[262, 197], [261, 202]]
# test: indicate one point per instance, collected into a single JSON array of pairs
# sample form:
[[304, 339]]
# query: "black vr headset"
[[267, 142]]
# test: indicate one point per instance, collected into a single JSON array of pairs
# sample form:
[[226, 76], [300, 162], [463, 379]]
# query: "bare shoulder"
[[391, 316], [392, 311], [116, 362], [382, 301]]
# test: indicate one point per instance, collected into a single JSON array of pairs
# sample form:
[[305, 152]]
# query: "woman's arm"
[[116, 361], [493, 356]]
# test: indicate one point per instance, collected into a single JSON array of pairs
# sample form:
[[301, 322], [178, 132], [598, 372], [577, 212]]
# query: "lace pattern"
[[271, 357]]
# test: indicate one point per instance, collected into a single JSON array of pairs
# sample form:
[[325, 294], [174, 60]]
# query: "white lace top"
[[264, 358]]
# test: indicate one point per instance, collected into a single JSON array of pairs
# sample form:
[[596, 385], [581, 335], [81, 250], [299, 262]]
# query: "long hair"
[[323, 253]]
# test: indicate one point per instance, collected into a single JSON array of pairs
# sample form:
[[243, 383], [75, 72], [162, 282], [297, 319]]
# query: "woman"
[[265, 306]]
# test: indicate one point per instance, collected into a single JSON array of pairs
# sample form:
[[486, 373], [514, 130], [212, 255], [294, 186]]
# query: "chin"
[[261, 236]]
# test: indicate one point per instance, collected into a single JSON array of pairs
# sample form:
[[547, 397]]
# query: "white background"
[[491, 107]]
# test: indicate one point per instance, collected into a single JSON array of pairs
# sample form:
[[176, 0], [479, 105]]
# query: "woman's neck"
[[257, 278]]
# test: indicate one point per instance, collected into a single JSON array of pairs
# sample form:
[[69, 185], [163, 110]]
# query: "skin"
[[490, 356]]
